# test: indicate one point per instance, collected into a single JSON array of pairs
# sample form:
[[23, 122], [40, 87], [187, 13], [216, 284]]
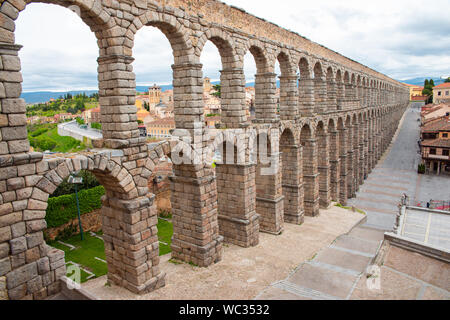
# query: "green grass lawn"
[[92, 247], [350, 208], [64, 144], [52, 140], [85, 254], [165, 232]]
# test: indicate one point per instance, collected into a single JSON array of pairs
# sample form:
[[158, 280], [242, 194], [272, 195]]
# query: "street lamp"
[[76, 181]]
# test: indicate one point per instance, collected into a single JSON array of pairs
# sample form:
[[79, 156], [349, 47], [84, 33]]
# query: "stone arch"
[[234, 113], [265, 81], [224, 44], [305, 68], [288, 85], [320, 88], [292, 176], [125, 215], [259, 53], [91, 13], [175, 32], [306, 88], [332, 88]]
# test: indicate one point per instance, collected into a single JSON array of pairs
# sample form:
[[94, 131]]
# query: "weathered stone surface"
[[320, 160], [34, 239], [21, 275], [5, 266], [18, 245]]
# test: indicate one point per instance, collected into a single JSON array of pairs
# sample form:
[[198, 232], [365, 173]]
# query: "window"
[[439, 93], [445, 152], [445, 135], [432, 151], [447, 93]]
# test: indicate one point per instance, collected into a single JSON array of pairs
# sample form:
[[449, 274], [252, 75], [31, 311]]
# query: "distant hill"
[[44, 96], [420, 81]]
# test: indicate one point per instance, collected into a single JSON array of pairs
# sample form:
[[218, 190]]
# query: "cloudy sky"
[[403, 39]]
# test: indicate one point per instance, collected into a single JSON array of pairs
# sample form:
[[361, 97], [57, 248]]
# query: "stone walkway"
[[333, 273], [244, 272], [338, 271]]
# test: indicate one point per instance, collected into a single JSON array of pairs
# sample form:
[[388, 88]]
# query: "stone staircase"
[[334, 272]]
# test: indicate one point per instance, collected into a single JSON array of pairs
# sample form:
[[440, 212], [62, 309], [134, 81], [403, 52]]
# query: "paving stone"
[[367, 234], [273, 293], [356, 244], [323, 280], [343, 259], [392, 287]]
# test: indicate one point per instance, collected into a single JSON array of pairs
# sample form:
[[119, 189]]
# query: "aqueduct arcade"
[[335, 119]]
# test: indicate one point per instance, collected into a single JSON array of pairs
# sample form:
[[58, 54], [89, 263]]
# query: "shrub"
[[62, 209], [96, 125], [89, 182], [421, 168]]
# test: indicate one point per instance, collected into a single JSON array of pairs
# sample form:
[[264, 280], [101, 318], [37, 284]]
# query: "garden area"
[[89, 254], [45, 137]]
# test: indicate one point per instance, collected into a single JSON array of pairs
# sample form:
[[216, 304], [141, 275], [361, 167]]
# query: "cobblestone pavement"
[[337, 271], [395, 174]]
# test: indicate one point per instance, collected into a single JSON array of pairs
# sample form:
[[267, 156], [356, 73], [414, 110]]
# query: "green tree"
[[447, 80], [89, 182], [217, 88]]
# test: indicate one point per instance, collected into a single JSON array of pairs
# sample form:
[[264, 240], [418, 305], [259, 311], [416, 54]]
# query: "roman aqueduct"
[[336, 118]]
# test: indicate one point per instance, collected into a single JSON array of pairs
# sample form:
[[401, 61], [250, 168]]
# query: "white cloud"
[[403, 39]]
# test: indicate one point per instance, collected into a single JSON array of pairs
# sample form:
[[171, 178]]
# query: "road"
[[395, 174]]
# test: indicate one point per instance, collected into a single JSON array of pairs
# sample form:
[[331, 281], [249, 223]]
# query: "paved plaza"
[[396, 174], [430, 228], [338, 271]]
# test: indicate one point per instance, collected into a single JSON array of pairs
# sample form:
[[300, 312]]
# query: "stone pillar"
[[324, 170], [131, 243], [343, 156], [234, 114], [372, 151], [188, 95], [320, 95], [335, 169], [379, 137], [362, 154], [340, 95], [265, 100], [13, 138], [292, 182], [310, 177], [288, 97], [306, 97], [236, 192], [269, 196], [196, 236], [350, 163], [117, 93], [356, 163], [332, 95]]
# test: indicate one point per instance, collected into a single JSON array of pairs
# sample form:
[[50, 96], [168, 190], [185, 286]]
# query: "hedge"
[[62, 209]]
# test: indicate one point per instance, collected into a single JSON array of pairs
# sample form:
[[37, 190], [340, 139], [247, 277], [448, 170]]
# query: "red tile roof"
[[442, 143], [443, 85], [441, 124]]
